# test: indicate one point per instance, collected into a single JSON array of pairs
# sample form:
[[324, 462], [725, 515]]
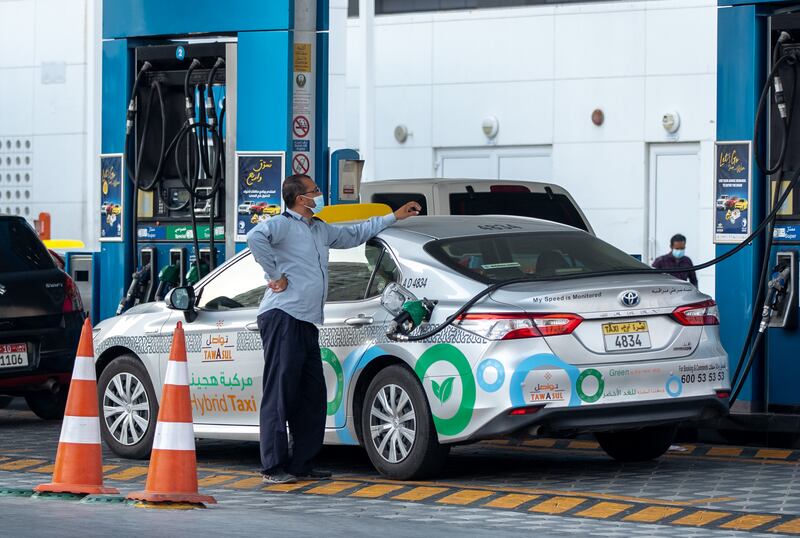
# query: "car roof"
[[447, 226]]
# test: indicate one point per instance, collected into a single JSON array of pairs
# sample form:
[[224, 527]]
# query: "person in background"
[[676, 259]]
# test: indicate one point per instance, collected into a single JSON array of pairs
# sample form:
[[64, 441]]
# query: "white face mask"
[[319, 202], [678, 253]]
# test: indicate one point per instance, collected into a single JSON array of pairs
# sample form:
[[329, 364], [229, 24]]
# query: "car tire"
[[125, 382], [424, 455], [644, 444], [48, 405]]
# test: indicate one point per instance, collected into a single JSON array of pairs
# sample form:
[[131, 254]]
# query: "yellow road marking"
[[20, 464], [420, 493], [724, 451], [603, 510], [557, 505], [465, 496], [773, 453], [215, 479], [285, 488], [535, 491], [700, 518], [332, 488], [652, 514], [107, 468], [44, 469], [792, 527], [546, 443], [512, 500], [128, 474], [745, 523], [246, 483], [591, 445], [376, 490]]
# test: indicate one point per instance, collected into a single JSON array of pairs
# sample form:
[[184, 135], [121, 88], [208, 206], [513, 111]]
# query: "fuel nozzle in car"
[[412, 315], [140, 281], [196, 273]]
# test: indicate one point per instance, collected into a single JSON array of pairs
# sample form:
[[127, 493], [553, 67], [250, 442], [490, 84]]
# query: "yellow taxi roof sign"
[[63, 243], [352, 212]]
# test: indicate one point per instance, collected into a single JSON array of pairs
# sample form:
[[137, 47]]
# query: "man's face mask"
[[678, 252], [319, 203]]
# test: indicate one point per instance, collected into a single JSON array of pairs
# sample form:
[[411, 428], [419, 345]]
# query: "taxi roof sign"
[[333, 214]]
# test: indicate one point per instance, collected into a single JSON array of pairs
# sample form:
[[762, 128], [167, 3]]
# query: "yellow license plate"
[[627, 327]]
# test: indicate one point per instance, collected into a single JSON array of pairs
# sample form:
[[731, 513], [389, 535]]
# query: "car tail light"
[[722, 394], [72, 298], [529, 410], [509, 188], [705, 313], [512, 325]]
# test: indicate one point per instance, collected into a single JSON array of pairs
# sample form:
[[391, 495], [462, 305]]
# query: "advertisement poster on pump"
[[732, 192], [259, 178], [112, 189]]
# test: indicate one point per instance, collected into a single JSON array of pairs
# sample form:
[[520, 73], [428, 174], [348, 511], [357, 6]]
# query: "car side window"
[[350, 270], [385, 273], [240, 285]]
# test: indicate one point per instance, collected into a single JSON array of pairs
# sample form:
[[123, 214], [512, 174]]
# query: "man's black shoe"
[[315, 474], [278, 477]]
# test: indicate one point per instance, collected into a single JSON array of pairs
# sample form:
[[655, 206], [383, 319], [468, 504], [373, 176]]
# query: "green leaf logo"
[[443, 391]]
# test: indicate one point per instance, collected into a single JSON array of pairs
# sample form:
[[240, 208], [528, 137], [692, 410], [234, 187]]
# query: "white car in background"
[[244, 207]]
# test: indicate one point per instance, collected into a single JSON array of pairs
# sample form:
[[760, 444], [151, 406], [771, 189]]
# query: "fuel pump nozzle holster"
[[777, 286], [139, 284]]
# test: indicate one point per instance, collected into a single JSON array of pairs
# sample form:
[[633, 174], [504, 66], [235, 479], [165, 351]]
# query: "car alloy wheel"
[[393, 423], [126, 408]]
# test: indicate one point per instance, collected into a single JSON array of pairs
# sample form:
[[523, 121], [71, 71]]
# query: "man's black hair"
[[677, 238], [292, 188]]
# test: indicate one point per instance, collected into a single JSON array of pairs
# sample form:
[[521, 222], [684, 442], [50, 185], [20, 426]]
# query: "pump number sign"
[[732, 192]]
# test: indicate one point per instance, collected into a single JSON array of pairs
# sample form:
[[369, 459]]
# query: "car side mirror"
[[182, 298], [394, 296]]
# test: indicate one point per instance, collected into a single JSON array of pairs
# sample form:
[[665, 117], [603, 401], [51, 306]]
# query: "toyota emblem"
[[629, 298]]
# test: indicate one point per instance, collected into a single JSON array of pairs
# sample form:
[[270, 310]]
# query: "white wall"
[[542, 71], [43, 96]]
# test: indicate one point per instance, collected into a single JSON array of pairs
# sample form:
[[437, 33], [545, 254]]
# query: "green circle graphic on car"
[[448, 353], [331, 358], [590, 398]]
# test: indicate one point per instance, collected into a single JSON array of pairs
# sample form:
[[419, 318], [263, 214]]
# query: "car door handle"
[[253, 326], [360, 320]]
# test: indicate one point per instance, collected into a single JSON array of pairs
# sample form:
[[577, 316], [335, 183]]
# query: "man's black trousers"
[[294, 392]]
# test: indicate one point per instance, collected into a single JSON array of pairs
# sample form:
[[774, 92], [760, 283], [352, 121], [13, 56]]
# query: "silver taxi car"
[[625, 356]]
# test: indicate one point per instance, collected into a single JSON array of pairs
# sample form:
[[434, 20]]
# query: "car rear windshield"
[[496, 258], [539, 205], [24, 251]]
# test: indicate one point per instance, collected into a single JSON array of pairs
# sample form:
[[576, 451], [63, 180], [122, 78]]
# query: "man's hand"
[[408, 210], [279, 285]]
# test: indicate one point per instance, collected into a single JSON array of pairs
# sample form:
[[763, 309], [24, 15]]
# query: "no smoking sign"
[[300, 163], [300, 126]]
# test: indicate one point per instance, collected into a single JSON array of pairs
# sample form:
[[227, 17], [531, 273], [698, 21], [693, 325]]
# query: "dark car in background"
[[41, 314]]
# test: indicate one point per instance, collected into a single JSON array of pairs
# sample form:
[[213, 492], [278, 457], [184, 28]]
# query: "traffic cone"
[[79, 466], [172, 476]]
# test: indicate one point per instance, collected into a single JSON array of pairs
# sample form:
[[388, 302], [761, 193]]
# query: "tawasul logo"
[[2, 290]]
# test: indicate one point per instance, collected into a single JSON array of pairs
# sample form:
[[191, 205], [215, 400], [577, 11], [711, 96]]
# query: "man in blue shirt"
[[293, 251]]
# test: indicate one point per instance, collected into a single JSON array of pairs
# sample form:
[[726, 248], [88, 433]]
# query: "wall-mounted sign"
[[259, 177], [732, 192], [112, 196]]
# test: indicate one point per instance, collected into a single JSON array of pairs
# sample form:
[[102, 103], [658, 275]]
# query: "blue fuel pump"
[[191, 98]]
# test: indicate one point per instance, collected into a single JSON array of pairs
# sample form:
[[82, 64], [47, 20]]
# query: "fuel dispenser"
[[758, 68], [191, 99]]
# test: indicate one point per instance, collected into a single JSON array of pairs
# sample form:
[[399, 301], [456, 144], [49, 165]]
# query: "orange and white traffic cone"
[[172, 476], [79, 465]]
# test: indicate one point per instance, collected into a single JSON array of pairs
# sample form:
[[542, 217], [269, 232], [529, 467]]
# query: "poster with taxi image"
[[259, 177], [112, 192], [732, 192]]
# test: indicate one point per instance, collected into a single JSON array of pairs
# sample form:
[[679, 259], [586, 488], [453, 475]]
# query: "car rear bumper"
[[51, 356], [620, 416]]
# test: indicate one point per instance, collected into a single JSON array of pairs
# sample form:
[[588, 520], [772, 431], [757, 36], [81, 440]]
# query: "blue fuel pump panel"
[[252, 103]]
